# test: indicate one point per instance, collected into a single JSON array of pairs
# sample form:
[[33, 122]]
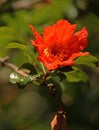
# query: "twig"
[[4, 62], [25, 4]]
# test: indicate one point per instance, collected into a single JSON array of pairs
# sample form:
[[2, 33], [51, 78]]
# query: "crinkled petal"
[[55, 64], [61, 31], [49, 66], [79, 41], [48, 32], [37, 36], [64, 30], [82, 38], [75, 55]]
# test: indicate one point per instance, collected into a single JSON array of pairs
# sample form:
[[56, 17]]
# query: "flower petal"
[[48, 32], [61, 31], [82, 37], [38, 38], [64, 30], [79, 41]]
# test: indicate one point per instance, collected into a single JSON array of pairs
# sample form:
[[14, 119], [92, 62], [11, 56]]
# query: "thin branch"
[[4, 62], [26, 4]]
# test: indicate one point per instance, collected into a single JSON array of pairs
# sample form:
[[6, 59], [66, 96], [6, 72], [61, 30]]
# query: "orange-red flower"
[[59, 45]]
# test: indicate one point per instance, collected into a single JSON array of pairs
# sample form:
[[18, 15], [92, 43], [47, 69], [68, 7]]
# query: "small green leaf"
[[77, 75], [89, 60], [16, 45], [22, 81], [59, 74], [29, 67], [62, 76], [14, 78]]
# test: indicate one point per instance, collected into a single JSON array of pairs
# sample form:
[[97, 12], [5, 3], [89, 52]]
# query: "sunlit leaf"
[[7, 35], [76, 75], [22, 81], [4, 41], [16, 78], [17, 46], [89, 60], [4, 30]]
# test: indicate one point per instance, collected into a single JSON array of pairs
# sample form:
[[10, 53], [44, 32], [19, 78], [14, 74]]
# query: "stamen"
[[46, 52]]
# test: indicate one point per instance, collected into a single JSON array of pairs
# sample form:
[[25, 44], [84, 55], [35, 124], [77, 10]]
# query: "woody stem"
[[4, 62], [55, 94]]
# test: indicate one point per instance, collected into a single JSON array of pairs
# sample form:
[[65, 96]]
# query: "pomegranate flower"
[[59, 45]]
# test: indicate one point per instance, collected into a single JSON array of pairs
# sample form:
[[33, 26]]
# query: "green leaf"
[[17, 46], [15, 78], [77, 75], [89, 60], [7, 35], [59, 74], [22, 81], [4, 30], [4, 40], [29, 67]]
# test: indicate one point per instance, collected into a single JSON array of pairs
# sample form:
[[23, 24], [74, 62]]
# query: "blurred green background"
[[32, 108]]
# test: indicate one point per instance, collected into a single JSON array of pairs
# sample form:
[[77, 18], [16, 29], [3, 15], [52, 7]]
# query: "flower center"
[[58, 52]]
